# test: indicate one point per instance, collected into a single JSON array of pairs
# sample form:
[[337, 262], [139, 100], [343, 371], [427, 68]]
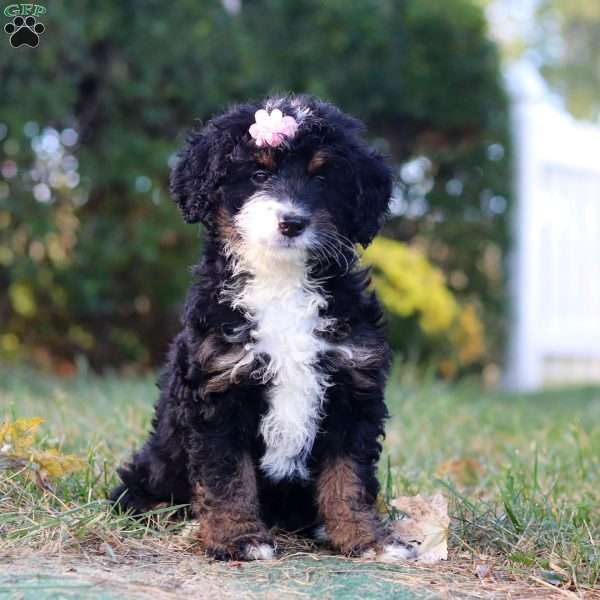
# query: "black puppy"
[[272, 400]]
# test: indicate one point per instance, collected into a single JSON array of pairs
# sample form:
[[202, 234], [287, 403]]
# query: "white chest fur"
[[285, 311]]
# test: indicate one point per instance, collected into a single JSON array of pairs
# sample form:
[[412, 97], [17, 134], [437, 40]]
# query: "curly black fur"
[[208, 417]]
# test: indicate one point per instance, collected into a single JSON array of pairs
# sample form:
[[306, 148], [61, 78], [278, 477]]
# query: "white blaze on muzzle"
[[258, 222]]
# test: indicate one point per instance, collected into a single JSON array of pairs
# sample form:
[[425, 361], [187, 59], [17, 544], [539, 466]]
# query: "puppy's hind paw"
[[123, 500], [320, 534], [252, 551]]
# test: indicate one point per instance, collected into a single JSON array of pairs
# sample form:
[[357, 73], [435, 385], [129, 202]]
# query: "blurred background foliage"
[[93, 256], [569, 42], [559, 37]]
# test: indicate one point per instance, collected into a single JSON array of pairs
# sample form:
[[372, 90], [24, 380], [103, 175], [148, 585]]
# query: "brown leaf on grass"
[[554, 578], [40, 479], [483, 571], [107, 549], [424, 525], [557, 575], [10, 462]]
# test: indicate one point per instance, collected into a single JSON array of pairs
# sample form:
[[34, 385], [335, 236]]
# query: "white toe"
[[397, 552], [259, 552], [320, 534], [369, 554]]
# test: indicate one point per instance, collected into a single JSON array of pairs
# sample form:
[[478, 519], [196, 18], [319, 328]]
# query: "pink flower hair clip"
[[272, 129]]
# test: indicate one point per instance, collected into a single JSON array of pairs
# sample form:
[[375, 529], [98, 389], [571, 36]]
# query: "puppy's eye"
[[260, 176], [319, 180]]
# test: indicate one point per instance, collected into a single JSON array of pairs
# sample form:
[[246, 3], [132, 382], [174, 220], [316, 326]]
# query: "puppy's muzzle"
[[293, 225]]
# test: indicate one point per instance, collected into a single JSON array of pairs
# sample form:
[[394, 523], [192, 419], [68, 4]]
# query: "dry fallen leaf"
[[483, 571], [424, 525], [106, 548]]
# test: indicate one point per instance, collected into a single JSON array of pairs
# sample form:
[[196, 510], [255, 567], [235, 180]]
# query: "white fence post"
[[555, 267], [523, 369]]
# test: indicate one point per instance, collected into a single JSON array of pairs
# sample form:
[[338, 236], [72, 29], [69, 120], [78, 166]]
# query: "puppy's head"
[[312, 189]]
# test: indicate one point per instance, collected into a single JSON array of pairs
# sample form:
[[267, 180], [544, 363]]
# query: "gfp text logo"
[[25, 28]]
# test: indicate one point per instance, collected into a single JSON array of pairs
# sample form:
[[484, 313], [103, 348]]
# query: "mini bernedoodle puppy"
[[272, 402]]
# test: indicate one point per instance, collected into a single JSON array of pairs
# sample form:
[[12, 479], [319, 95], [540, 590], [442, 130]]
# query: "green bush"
[[92, 253]]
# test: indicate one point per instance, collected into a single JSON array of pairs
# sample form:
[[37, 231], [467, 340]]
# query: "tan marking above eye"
[[319, 159], [266, 159]]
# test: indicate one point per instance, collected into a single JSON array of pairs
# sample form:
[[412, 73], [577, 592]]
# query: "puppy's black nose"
[[292, 225]]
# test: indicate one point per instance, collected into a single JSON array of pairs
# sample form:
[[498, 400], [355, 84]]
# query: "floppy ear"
[[374, 183], [198, 172]]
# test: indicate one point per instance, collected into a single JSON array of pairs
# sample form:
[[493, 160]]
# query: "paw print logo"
[[24, 32]]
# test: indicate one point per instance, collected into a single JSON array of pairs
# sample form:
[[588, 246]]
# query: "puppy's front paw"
[[391, 549], [397, 550], [253, 551], [257, 547]]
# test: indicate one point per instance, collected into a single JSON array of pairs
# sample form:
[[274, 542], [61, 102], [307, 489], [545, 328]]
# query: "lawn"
[[522, 473]]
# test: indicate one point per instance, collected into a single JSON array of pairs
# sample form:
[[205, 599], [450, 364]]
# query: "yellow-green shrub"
[[425, 317], [21, 450]]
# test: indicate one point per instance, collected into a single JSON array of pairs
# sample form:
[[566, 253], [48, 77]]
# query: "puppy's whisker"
[[337, 248], [342, 245], [340, 240], [335, 254], [326, 252]]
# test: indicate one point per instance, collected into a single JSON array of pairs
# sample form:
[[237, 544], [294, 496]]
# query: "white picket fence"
[[555, 337]]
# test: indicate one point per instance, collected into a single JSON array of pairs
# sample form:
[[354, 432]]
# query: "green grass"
[[522, 471]]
